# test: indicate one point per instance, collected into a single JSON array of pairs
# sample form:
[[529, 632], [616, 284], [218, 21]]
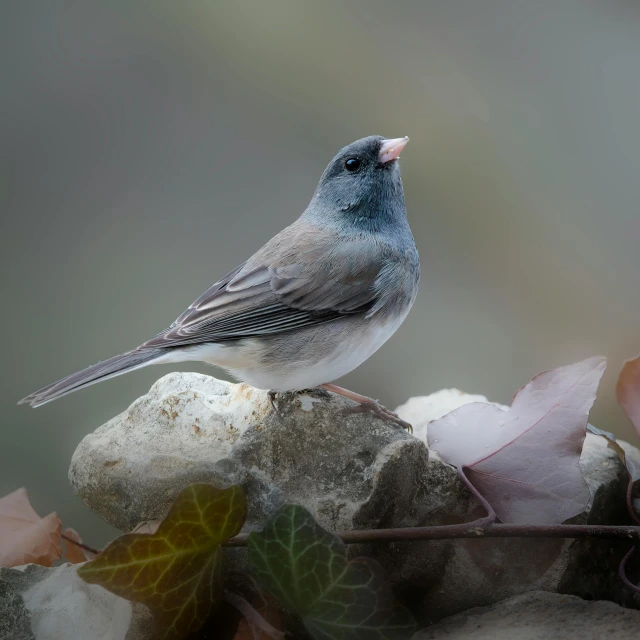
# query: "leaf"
[[306, 569], [628, 396], [25, 536], [525, 461], [628, 391], [176, 571]]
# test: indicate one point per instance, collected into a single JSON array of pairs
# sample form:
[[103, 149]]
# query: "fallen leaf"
[[525, 461], [24, 536], [628, 391], [305, 568], [177, 571]]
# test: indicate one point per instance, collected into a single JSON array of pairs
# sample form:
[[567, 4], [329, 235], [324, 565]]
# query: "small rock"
[[350, 471], [58, 605], [539, 616]]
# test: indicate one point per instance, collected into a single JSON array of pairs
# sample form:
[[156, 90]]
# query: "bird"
[[312, 304]]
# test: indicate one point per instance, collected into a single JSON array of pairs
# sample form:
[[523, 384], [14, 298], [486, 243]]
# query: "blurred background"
[[149, 147]]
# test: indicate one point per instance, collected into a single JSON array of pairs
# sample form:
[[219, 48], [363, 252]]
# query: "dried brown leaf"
[[628, 390], [24, 536]]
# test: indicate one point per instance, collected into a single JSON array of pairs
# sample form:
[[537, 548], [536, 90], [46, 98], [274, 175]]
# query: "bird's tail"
[[97, 373]]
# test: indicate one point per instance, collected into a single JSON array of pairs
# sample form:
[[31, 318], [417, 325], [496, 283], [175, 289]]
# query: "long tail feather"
[[97, 373]]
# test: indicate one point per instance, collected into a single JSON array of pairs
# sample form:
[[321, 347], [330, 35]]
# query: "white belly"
[[302, 360]]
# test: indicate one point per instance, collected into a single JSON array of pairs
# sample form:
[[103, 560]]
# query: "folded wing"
[[300, 278]]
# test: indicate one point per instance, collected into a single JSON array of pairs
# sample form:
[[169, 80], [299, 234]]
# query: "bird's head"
[[362, 183]]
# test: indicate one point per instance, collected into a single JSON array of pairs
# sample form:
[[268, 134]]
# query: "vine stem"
[[86, 547], [482, 528], [487, 527], [629, 498], [478, 529], [255, 620]]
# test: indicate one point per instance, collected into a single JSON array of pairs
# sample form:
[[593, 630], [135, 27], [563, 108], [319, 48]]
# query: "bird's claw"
[[273, 396], [381, 411]]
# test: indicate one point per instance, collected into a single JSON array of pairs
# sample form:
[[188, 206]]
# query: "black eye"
[[352, 164]]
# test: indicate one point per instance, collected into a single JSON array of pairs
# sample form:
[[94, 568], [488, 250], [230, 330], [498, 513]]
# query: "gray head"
[[362, 184]]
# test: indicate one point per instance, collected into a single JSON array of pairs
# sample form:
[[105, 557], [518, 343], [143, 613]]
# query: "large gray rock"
[[539, 616], [41, 603], [351, 471]]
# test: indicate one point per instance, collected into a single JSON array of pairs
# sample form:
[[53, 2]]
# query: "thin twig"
[[622, 571], [80, 544], [629, 498], [477, 529], [491, 516], [252, 616], [482, 528]]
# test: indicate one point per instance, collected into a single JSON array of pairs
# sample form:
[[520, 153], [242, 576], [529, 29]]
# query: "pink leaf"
[[25, 536], [628, 390], [525, 461]]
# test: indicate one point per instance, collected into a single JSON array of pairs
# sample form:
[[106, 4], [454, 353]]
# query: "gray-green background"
[[149, 147]]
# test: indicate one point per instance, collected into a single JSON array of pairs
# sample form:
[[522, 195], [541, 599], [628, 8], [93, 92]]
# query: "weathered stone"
[[350, 471], [14, 617], [58, 604], [539, 616], [441, 578]]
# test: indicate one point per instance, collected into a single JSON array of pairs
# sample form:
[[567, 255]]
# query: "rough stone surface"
[[440, 578], [539, 616], [351, 471], [14, 617], [55, 604]]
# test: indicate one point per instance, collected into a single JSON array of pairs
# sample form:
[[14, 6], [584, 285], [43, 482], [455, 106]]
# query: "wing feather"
[[281, 288]]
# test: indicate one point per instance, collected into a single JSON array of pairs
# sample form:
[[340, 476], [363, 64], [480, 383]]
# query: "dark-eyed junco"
[[313, 303]]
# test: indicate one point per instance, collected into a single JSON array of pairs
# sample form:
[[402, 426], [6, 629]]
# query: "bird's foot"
[[273, 397], [381, 411], [368, 404]]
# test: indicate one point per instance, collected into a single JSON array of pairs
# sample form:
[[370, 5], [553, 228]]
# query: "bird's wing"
[[303, 276]]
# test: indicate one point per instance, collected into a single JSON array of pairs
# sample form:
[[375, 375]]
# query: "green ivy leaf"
[[177, 571], [306, 569]]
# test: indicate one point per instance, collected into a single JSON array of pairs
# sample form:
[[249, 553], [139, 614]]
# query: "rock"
[[351, 471], [14, 617], [55, 604], [539, 616], [440, 578]]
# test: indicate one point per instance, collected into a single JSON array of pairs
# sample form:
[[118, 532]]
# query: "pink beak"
[[390, 149]]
